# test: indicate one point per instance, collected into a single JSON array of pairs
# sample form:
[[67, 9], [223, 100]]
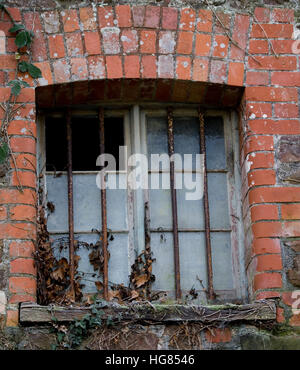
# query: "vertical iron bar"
[[70, 206], [211, 293], [174, 204], [103, 208]]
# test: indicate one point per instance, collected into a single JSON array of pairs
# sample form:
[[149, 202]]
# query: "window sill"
[[156, 313]]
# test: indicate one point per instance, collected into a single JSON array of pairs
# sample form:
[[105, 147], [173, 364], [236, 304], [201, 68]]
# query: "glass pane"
[[215, 143], [117, 265], [157, 135], [222, 261], [218, 200]]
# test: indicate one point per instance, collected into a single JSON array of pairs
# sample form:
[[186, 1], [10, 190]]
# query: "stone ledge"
[[260, 310]]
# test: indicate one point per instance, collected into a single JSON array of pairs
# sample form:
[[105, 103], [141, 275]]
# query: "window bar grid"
[[174, 204], [211, 293], [70, 205], [103, 207]]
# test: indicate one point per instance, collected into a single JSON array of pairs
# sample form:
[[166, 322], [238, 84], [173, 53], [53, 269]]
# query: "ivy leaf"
[[34, 71], [15, 87], [23, 66], [3, 152], [17, 27], [21, 39]]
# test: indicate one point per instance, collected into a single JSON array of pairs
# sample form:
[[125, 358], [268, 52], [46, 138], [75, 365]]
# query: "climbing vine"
[[23, 40]]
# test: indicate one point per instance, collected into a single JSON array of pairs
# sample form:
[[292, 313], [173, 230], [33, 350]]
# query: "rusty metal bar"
[[211, 293], [70, 205], [103, 208], [174, 204]]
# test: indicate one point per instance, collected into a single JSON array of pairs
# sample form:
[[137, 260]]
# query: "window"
[[133, 214]]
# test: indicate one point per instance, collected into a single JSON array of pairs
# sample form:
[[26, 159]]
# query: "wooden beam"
[[257, 311]]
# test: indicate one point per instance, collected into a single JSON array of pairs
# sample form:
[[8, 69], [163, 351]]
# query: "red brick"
[[280, 315], [15, 12], [274, 195], [261, 177], [22, 266], [204, 22], [111, 43], [271, 62], [236, 74], [21, 285], [129, 41], [21, 144], [26, 161], [264, 245], [258, 47], [264, 212], [46, 73], [17, 231], [260, 110], [288, 299], [12, 318], [92, 43], [295, 320], [5, 93], [114, 66], [183, 68], [148, 42], [218, 335], [74, 44], [23, 213], [269, 262], [283, 127], [21, 127], [187, 19], [185, 42], [152, 17], [3, 213], [240, 36], [272, 31], [11, 46], [96, 67], [24, 178], [87, 19], [7, 62], [27, 95], [132, 66], [106, 16], [56, 46], [267, 281], [70, 20], [286, 110], [225, 19], [260, 160], [267, 295], [61, 71], [169, 18], [283, 46], [257, 78], [18, 298], [203, 44], [286, 78], [290, 211], [220, 46], [218, 71], [138, 16], [273, 94], [2, 78], [148, 66], [21, 249], [123, 14], [200, 69], [165, 66], [262, 15], [283, 15]]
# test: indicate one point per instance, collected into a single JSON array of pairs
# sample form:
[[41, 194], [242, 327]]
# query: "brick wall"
[[165, 43]]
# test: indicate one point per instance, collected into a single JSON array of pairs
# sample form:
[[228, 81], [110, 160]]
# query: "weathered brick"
[[88, 19], [267, 281], [74, 44], [286, 110], [70, 20], [169, 18], [183, 68], [218, 71], [21, 285], [259, 110], [286, 78], [148, 41], [274, 195], [290, 211], [148, 68], [218, 335], [114, 66], [200, 69], [220, 46], [56, 46], [265, 245], [165, 66], [138, 15], [123, 15], [271, 127], [23, 213], [187, 19], [258, 47], [96, 67], [110, 37], [24, 178], [22, 266], [286, 63], [262, 15], [204, 21], [240, 36], [257, 78], [265, 93], [283, 15], [12, 318], [166, 42], [185, 42], [236, 74], [23, 145], [202, 44], [61, 71], [261, 177], [21, 249], [272, 31], [151, 19], [132, 66], [92, 43]]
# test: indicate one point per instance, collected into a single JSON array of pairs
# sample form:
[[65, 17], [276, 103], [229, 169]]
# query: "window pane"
[[215, 143]]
